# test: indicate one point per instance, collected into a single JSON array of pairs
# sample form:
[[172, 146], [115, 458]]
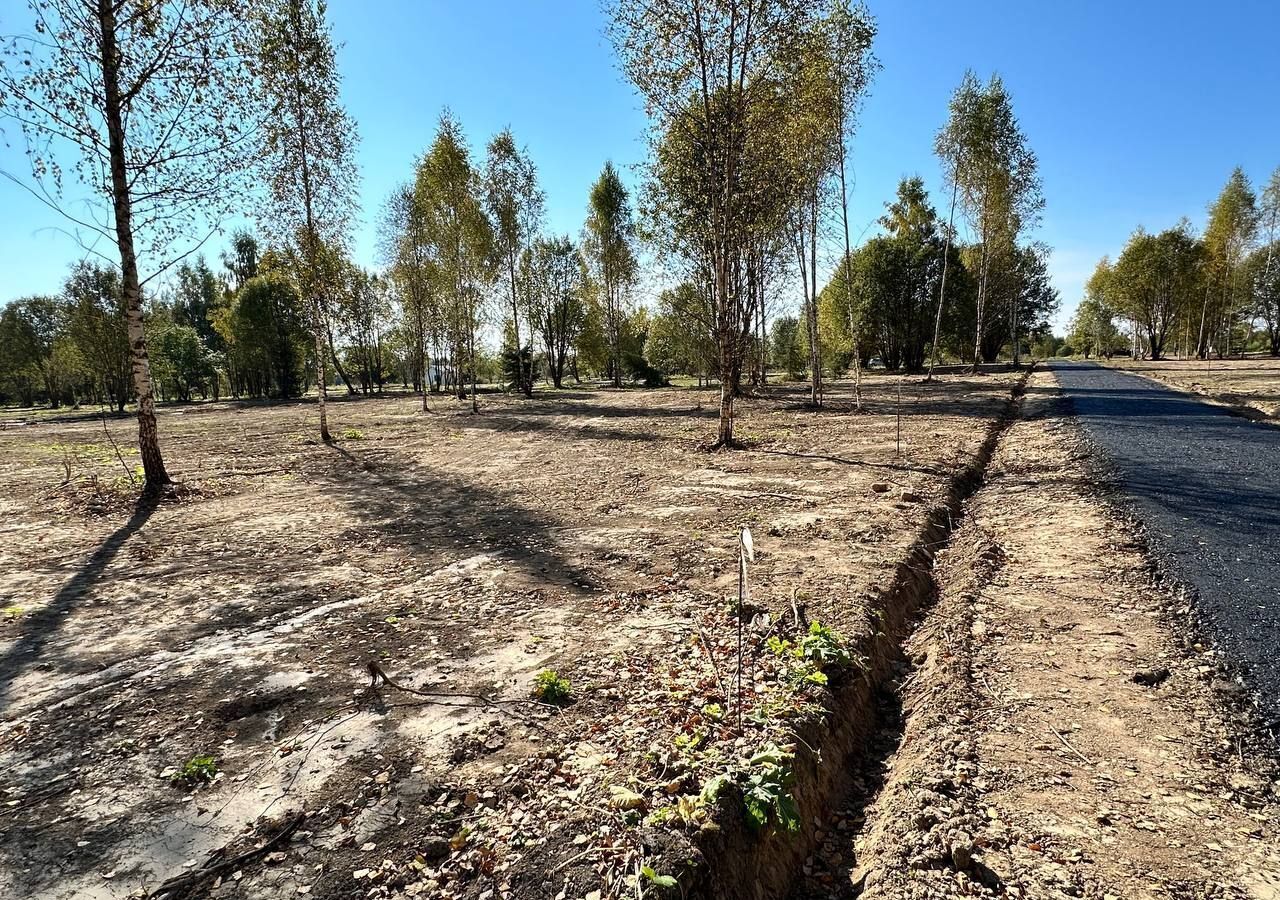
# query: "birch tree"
[[405, 254], [460, 240], [609, 244], [515, 205], [1233, 220], [308, 144], [555, 284], [986, 158], [711, 74], [1263, 271], [148, 103]]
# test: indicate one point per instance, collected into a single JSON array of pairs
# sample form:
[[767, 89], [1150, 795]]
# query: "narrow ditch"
[[843, 757]]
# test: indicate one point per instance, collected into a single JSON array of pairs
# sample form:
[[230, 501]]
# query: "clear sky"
[[1137, 110]]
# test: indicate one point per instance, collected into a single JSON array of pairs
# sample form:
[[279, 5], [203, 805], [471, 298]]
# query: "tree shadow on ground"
[[42, 626], [529, 421], [435, 516], [861, 463]]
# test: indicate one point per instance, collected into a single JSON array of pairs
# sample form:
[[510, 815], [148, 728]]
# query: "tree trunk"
[[471, 352], [724, 436], [982, 300], [337, 364], [811, 288], [318, 324], [524, 383], [724, 341], [154, 473], [942, 288], [1013, 325], [854, 330]]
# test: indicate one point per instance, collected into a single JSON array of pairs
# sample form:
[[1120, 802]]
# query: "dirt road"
[[1207, 485]]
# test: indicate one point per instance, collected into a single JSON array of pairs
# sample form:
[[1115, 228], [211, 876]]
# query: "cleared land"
[[585, 531], [1252, 384]]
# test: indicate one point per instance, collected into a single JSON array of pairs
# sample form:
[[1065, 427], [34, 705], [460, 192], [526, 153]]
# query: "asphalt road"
[[1207, 485]]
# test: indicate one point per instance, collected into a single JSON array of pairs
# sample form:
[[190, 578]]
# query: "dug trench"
[[1066, 729], [1037, 715], [840, 752]]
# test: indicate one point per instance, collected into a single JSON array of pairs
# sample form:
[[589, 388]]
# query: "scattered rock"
[[1150, 677], [435, 849]]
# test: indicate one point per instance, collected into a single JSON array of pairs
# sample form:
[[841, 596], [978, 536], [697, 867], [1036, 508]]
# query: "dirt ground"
[[1060, 732], [585, 531], [1252, 383]]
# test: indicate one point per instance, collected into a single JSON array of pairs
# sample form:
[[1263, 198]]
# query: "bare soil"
[[584, 531], [1060, 732], [1251, 385]]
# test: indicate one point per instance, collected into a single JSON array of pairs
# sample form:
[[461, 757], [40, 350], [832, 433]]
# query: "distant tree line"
[[1191, 295], [752, 107]]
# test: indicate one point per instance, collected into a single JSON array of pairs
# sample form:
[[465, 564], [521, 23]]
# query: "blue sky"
[[1137, 110]]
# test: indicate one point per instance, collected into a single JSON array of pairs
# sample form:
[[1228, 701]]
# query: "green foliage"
[[353, 434], [679, 337], [180, 362], [767, 793], [662, 881], [198, 769], [263, 329], [785, 349], [894, 282], [824, 648], [1157, 279], [549, 687], [555, 298], [96, 325], [517, 364]]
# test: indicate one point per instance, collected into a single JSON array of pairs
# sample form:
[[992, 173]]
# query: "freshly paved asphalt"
[[1206, 483]]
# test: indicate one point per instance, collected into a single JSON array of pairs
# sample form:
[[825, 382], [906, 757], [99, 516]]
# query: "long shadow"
[[606, 411], [42, 626], [431, 514], [823, 457], [528, 421]]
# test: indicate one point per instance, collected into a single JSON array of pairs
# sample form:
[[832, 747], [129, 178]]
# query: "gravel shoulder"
[[1203, 482]]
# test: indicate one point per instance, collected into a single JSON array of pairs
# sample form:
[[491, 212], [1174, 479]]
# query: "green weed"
[[196, 770], [549, 687], [767, 794]]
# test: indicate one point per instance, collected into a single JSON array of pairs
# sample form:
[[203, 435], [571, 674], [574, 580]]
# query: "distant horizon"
[[1095, 106]]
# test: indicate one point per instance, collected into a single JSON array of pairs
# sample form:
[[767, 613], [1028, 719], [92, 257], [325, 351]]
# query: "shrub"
[[767, 794]]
